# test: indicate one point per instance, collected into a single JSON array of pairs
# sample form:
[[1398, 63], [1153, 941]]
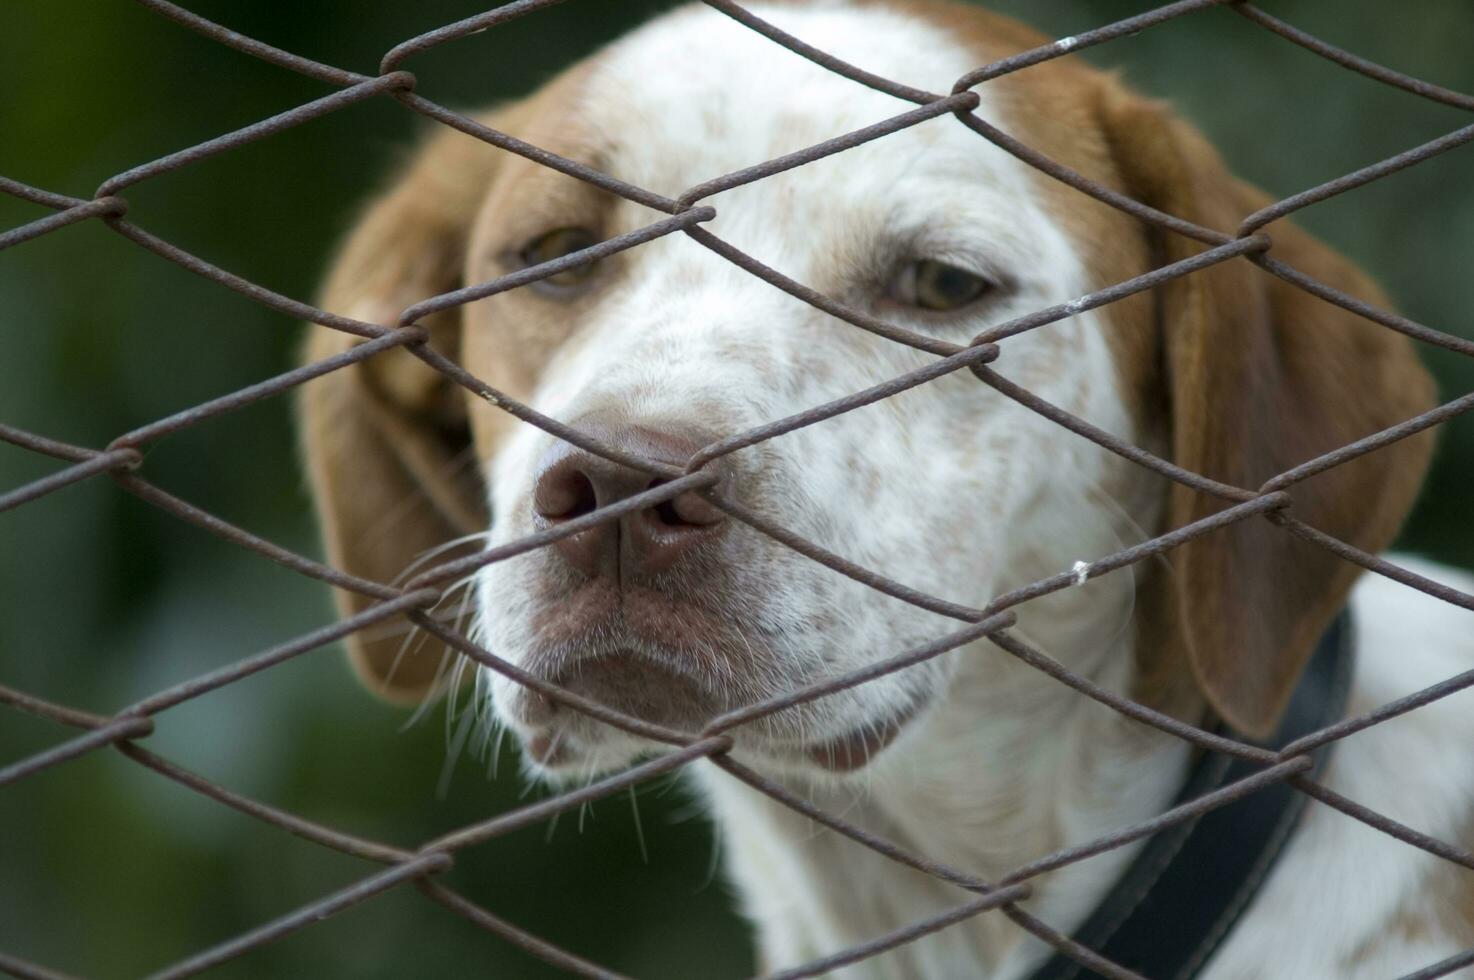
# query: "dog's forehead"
[[898, 43], [694, 95]]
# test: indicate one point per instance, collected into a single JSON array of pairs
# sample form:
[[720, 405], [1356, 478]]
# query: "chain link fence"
[[422, 867]]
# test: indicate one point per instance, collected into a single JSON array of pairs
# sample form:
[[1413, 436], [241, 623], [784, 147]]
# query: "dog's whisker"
[[424, 557], [496, 750], [458, 742], [639, 828], [714, 862]]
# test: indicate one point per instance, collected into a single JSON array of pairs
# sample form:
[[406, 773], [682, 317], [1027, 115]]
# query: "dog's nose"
[[571, 482]]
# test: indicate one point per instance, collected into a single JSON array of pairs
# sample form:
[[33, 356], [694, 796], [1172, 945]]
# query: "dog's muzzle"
[[635, 612]]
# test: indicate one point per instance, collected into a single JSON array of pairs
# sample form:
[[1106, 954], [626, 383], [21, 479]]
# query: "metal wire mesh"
[[421, 866]]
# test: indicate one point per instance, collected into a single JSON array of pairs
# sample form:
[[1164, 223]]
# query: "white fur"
[[948, 488]]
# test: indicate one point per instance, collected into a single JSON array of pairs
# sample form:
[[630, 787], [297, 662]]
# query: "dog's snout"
[[571, 482]]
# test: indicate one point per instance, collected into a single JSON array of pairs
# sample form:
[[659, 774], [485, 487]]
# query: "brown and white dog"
[[676, 614]]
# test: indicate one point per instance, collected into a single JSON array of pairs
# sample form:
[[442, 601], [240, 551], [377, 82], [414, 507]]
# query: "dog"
[[678, 613]]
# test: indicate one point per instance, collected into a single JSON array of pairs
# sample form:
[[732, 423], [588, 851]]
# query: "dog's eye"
[[933, 285], [556, 244]]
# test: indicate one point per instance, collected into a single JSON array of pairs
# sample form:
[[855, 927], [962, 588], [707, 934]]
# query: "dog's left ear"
[[1261, 376]]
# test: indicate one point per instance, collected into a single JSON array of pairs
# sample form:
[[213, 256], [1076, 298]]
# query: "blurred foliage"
[[107, 869]]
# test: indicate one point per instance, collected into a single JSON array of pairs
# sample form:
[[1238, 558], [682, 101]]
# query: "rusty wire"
[[420, 866]]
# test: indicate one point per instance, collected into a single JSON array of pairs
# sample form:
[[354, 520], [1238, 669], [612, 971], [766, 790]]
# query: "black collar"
[[1179, 899]]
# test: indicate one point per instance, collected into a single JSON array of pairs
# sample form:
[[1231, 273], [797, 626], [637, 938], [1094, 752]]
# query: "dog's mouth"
[[557, 739], [680, 665], [555, 736], [554, 748]]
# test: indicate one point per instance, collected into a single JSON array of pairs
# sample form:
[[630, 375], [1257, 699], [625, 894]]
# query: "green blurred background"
[[107, 869]]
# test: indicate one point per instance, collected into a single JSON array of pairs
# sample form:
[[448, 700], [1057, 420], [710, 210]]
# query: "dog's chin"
[[604, 659], [862, 744], [560, 743], [559, 757], [574, 747]]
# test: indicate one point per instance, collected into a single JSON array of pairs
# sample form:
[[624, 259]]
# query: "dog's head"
[[679, 612]]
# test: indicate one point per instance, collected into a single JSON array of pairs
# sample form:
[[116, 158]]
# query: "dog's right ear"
[[387, 440], [1261, 376]]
